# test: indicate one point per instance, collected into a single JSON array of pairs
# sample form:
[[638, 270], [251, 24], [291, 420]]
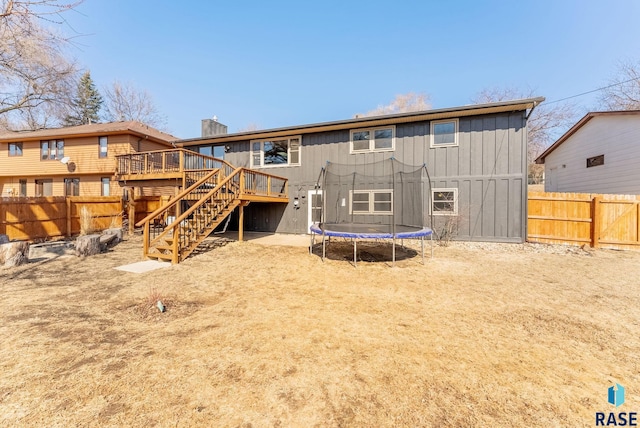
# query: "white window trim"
[[282, 165], [432, 134], [372, 148], [371, 210], [455, 200]]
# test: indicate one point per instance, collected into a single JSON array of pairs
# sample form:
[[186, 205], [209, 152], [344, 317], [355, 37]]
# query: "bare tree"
[[623, 92], [250, 127], [34, 70], [543, 127], [125, 102], [402, 103]]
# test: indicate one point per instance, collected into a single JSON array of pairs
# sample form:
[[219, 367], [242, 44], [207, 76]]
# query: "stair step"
[[160, 256], [164, 247]]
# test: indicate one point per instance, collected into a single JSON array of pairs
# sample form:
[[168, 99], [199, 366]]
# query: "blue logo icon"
[[616, 395]]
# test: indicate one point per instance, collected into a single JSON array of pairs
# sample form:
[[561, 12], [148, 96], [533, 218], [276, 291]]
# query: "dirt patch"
[[480, 335]]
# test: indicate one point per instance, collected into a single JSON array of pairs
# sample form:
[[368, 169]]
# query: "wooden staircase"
[[175, 230]]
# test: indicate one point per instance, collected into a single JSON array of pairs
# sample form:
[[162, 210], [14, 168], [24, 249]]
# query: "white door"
[[315, 207]]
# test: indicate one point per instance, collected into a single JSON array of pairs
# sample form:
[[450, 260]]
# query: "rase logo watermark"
[[615, 397]]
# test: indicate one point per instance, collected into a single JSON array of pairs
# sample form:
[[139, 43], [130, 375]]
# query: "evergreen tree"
[[86, 104]]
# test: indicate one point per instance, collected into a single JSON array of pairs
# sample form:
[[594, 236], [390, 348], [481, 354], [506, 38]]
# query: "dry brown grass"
[[271, 336]]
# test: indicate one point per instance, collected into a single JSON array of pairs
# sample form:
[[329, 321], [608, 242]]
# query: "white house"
[[599, 154]]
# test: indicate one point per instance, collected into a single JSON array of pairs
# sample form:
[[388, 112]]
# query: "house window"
[[280, 152], [44, 187], [595, 161], [444, 201], [373, 140], [444, 133], [52, 150], [104, 185], [72, 187], [23, 188], [371, 201], [102, 143], [15, 149]]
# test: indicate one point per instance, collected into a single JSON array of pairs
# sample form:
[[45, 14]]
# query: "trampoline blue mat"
[[370, 231]]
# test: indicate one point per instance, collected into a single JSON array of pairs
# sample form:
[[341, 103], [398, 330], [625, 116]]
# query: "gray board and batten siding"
[[488, 168]]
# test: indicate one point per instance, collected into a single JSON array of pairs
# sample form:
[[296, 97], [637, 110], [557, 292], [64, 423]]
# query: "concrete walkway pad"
[[145, 266]]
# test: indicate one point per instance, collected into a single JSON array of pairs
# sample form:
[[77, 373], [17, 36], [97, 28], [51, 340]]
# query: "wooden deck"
[[211, 189], [189, 167]]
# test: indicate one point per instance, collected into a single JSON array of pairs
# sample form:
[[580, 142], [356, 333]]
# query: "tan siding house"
[[77, 160]]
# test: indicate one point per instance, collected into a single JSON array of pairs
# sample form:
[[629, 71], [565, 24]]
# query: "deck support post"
[[241, 222], [132, 212]]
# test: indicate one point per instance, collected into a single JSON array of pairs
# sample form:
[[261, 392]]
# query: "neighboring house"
[[599, 154], [476, 157], [72, 161]]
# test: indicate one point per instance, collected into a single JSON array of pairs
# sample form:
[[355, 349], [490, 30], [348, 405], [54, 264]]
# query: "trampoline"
[[370, 231], [374, 201]]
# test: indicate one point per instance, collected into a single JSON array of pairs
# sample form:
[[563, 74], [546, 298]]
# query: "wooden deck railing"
[[171, 234], [261, 184], [168, 161]]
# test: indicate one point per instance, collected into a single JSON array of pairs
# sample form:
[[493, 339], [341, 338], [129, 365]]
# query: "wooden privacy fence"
[[605, 221], [144, 205], [50, 217]]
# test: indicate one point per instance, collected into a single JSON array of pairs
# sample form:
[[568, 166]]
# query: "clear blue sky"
[[283, 63]]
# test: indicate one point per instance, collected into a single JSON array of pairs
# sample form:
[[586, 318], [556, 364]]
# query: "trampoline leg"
[[355, 246], [323, 247], [422, 245], [311, 243], [431, 245], [393, 252]]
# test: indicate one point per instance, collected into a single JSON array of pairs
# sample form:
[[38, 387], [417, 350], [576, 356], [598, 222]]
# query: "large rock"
[[3, 238], [14, 253], [114, 231], [87, 245]]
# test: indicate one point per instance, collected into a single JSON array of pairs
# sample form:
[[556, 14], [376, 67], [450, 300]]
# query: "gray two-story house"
[[475, 155]]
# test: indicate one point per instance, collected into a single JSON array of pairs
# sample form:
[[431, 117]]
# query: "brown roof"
[[435, 114], [580, 124], [130, 127]]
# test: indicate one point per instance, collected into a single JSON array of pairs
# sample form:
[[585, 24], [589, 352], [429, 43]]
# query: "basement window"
[[276, 152], [595, 161], [371, 201], [44, 187], [444, 201], [72, 187]]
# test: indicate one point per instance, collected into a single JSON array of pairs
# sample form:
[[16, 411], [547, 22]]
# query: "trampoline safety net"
[[379, 197]]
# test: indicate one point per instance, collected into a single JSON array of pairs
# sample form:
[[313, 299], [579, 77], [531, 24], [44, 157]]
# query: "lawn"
[[481, 335]]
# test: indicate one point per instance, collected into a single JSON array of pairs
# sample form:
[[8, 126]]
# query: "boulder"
[[87, 245], [115, 231], [4, 238], [14, 253]]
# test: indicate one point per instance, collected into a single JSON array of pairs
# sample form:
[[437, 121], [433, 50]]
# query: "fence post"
[[68, 203], [596, 211]]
